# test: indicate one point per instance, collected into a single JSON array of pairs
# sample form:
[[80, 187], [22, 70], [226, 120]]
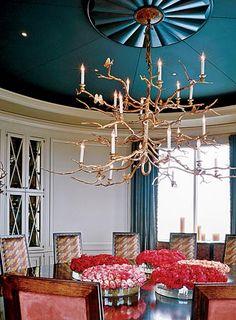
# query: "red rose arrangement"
[[158, 258], [125, 312], [178, 275], [115, 276], [85, 261]]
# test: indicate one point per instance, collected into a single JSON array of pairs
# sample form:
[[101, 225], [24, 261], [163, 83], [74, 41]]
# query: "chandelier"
[[149, 151]]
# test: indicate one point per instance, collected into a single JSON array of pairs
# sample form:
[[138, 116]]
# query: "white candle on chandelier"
[[82, 70], [121, 102], [82, 147], [178, 87], [127, 85], [113, 142], [191, 92], [203, 124], [173, 176], [115, 129], [203, 58], [159, 65], [111, 172], [115, 99], [216, 161], [168, 140], [198, 156], [141, 106]]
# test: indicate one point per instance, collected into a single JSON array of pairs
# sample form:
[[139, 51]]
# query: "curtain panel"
[[232, 145], [144, 208]]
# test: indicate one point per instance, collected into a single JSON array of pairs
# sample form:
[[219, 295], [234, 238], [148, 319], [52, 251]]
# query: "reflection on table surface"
[[151, 305]]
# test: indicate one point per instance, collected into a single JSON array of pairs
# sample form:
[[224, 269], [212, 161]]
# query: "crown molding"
[[27, 110]]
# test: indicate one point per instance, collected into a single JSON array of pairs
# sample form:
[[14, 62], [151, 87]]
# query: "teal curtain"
[[232, 145], [144, 208]]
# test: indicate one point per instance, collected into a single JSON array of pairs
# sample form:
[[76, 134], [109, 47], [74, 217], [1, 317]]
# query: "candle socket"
[[202, 77], [173, 184], [159, 83], [216, 174], [121, 117], [82, 87], [190, 102], [177, 102]]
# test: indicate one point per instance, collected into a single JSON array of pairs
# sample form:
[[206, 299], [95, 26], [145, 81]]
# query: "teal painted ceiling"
[[60, 36]]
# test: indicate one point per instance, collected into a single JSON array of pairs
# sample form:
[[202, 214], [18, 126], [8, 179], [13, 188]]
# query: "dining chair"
[[186, 243], [67, 246], [126, 245], [14, 254], [230, 249], [214, 301], [29, 298]]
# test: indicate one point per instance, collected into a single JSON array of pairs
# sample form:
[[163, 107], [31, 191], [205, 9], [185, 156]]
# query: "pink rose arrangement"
[[158, 258], [115, 276], [86, 261], [178, 275], [222, 267]]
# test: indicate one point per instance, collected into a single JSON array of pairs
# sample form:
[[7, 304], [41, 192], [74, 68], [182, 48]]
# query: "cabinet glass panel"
[[34, 220], [35, 164], [16, 147], [15, 214]]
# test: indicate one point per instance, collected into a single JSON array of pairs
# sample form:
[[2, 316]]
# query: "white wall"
[[68, 204], [93, 210]]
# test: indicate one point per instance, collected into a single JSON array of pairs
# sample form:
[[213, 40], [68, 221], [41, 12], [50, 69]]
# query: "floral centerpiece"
[[86, 261], [117, 280], [182, 277], [222, 267], [115, 276], [151, 259]]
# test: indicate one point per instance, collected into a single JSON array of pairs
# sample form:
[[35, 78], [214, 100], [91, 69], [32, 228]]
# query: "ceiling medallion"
[[148, 14], [172, 21]]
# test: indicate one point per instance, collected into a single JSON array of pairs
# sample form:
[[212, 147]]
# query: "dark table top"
[[151, 306]]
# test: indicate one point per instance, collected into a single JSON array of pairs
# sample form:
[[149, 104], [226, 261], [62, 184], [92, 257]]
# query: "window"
[[24, 187], [205, 206]]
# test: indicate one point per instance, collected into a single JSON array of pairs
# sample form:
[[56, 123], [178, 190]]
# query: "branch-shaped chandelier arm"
[[140, 120]]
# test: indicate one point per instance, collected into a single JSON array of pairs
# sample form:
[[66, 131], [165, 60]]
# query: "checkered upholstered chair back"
[[67, 246], [230, 249], [186, 243], [126, 245], [14, 254]]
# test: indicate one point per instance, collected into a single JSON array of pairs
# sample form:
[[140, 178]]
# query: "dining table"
[[149, 306]]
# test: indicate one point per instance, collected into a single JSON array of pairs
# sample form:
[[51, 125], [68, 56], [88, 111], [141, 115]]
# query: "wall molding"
[[29, 111]]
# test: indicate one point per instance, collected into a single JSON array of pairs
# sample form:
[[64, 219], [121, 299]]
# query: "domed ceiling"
[[44, 42]]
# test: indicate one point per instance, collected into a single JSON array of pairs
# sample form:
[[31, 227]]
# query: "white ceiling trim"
[[23, 109]]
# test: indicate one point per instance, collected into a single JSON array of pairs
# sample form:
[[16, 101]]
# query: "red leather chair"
[[214, 302], [28, 298]]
